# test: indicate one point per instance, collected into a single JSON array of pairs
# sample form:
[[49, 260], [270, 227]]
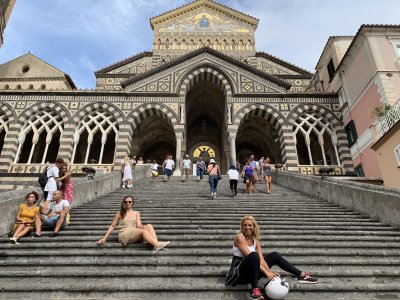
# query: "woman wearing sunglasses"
[[131, 229]]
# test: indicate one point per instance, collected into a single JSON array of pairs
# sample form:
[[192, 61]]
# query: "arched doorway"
[[206, 121], [258, 136], [154, 137]]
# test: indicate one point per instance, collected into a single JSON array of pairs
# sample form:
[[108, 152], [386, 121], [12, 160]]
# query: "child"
[[154, 171]]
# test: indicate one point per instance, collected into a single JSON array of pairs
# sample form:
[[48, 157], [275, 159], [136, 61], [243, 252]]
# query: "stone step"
[[148, 258], [183, 270], [195, 250]]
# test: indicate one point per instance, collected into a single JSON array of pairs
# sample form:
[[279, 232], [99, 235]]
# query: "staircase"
[[353, 256]]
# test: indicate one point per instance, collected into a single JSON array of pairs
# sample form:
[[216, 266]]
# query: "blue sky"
[[81, 36]]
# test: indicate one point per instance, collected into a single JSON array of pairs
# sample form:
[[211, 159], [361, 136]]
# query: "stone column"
[[229, 114], [179, 138], [182, 113], [232, 142]]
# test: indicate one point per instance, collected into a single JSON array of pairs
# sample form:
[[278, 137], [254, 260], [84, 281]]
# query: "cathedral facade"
[[203, 90]]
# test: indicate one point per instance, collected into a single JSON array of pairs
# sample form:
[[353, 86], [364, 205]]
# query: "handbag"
[[219, 176], [233, 275]]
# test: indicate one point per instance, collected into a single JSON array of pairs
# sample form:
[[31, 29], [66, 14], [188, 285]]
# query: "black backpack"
[[42, 179]]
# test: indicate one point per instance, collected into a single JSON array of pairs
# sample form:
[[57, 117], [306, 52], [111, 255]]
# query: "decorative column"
[[179, 138], [229, 113], [182, 106], [232, 142]]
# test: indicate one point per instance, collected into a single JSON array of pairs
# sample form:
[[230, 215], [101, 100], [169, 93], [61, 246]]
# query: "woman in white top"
[[126, 170], [249, 264]]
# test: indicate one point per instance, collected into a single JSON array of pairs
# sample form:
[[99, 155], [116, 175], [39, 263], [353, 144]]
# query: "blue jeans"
[[52, 221], [213, 180], [200, 173]]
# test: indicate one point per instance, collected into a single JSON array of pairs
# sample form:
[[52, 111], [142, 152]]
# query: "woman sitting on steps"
[[131, 229]]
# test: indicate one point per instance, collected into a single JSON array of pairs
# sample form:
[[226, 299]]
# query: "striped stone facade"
[[167, 100]]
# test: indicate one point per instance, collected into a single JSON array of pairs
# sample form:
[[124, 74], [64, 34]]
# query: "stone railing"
[[73, 168], [378, 202], [85, 190], [391, 117]]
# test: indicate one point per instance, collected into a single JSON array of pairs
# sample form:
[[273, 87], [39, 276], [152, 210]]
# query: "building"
[[364, 71], [203, 90], [6, 7]]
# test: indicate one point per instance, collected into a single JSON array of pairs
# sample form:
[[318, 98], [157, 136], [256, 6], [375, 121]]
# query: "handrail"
[[387, 121]]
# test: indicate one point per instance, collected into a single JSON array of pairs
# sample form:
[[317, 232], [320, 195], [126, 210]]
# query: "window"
[[342, 97], [359, 171], [397, 154], [331, 70], [351, 133]]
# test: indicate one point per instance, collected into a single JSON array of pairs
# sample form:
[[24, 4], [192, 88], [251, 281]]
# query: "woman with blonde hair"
[[131, 229], [249, 264]]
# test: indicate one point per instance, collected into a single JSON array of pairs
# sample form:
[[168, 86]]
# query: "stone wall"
[[85, 191], [379, 202]]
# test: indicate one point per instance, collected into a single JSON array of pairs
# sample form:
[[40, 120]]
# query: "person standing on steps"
[[186, 168], [200, 168], [26, 215], [168, 167], [233, 179], [249, 262], [214, 174], [67, 184], [267, 174], [260, 163], [126, 169], [131, 229], [247, 172], [253, 164], [154, 171]]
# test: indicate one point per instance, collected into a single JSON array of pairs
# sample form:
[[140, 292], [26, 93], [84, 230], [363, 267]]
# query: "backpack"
[[42, 179]]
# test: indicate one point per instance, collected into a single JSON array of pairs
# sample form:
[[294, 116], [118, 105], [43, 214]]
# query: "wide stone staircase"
[[354, 256]]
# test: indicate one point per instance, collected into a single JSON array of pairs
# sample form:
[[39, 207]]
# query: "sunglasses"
[[127, 201]]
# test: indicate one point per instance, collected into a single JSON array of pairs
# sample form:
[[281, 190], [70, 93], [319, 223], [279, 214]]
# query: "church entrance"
[[205, 119], [257, 136]]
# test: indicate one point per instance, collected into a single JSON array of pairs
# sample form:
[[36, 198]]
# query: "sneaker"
[[35, 235], [13, 240], [307, 278], [233, 193], [256, 294], [53, 234], [161, 245]]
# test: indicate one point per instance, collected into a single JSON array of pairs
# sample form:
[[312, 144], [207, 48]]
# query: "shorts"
[[186, 171], [168, 172], [249, 177], [154, 173], [52, 221]]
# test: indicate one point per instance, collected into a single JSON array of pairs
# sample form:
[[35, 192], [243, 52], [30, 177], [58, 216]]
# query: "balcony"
[[387, 121]]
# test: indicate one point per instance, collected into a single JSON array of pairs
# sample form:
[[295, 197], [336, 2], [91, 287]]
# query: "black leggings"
[[249, 270], [233, 184]]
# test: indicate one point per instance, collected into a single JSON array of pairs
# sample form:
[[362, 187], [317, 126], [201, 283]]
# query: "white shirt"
[[154, 166], [169, 164], [233, 174], [52, 173], [54, 206], [186, 163]]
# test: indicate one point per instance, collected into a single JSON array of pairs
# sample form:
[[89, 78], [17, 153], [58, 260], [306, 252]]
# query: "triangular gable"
[[125, 64], [229, 12], [168, 77], [274, 65], [30, 66]]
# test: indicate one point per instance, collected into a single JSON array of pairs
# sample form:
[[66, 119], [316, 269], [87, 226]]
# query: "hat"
[[212, 161]]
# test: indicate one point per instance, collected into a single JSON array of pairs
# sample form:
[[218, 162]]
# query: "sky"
[[81, 36]]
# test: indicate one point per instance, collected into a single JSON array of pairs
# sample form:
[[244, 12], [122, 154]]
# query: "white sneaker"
[[14, 240], [161, 245]]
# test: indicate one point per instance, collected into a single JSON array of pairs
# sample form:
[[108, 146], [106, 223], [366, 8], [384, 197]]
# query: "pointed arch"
[[42, 128], [96, 135]]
